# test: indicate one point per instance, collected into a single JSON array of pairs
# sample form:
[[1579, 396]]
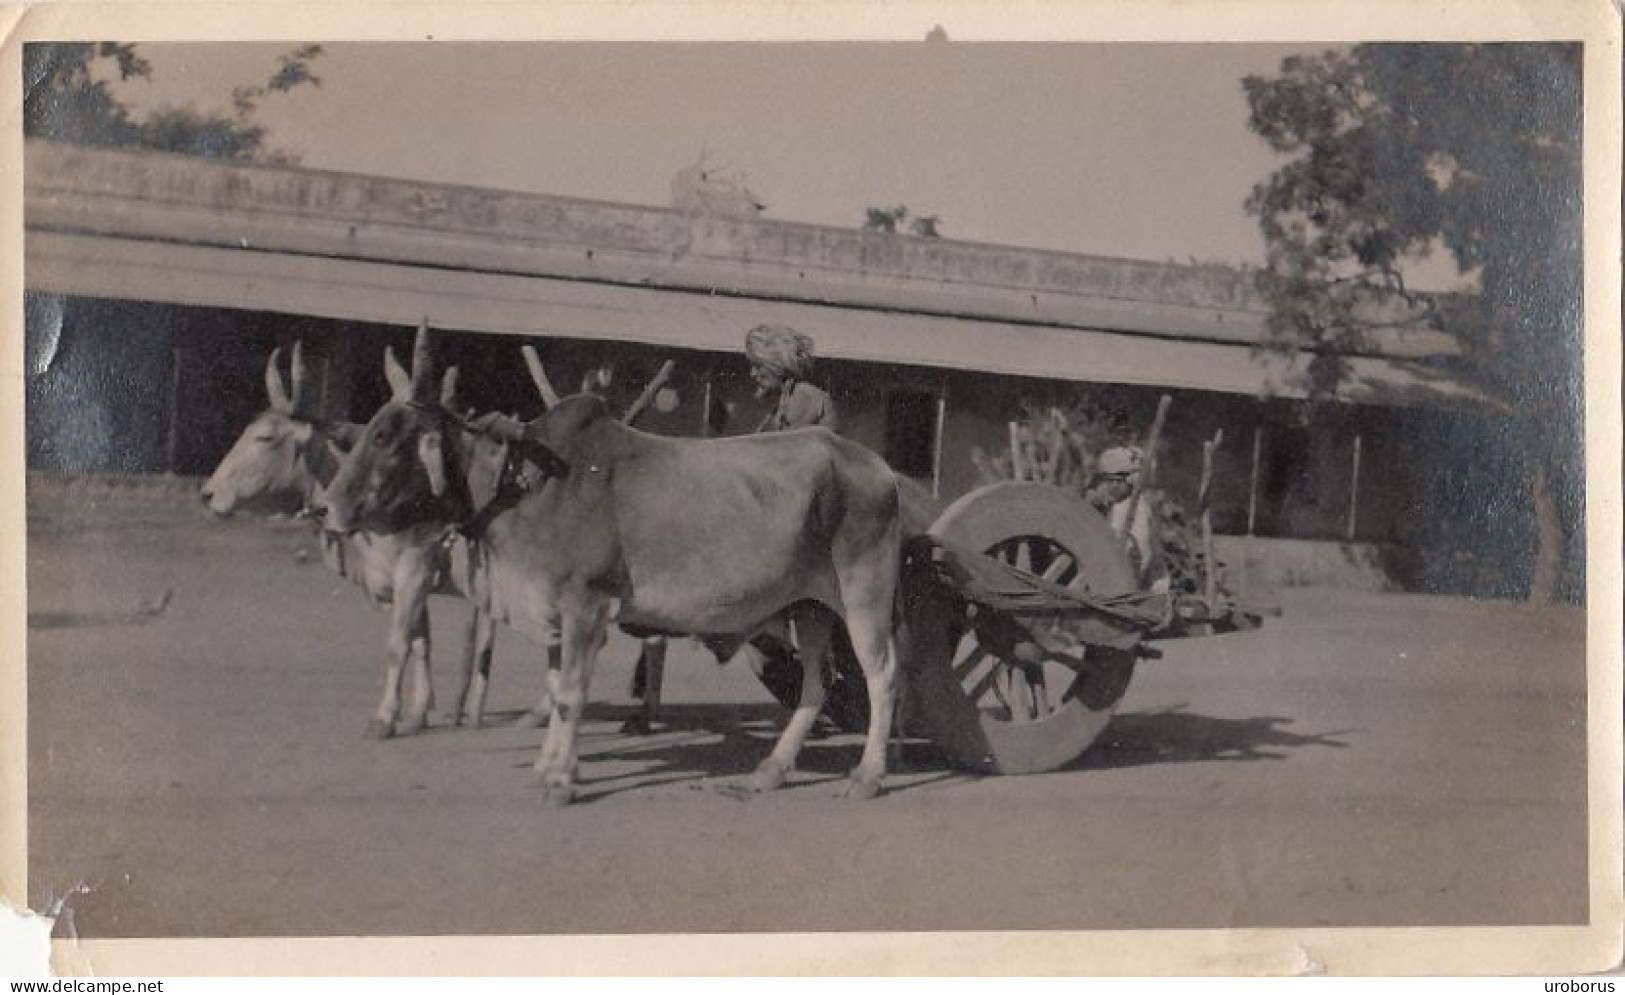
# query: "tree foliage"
[[1392, 150], [69, 96]]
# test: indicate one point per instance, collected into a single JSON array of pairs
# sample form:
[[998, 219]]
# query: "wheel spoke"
[[1059, 566], [965, 668], [1039, 686], [989, 680], [1023, 693]]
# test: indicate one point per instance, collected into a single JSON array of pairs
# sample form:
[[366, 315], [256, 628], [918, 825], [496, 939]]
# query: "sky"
[[1129, 150]]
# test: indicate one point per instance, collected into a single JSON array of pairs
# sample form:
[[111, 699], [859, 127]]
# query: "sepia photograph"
[[931, 484]]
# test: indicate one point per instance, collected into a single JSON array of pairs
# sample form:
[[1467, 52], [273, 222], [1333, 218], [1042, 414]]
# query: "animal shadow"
[[718, 745], [1173, 735]]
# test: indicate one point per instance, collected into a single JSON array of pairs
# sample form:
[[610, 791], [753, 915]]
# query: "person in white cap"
[[1116, 478]]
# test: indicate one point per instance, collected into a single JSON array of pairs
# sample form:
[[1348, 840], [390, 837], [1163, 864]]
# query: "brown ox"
[[279, 465], [590, 521]]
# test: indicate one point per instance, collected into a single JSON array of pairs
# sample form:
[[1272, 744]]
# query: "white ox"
[[279, 464], [588, 522]]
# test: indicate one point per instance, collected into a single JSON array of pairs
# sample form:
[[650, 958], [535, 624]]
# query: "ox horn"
[[274, 387], [432, 454], [400, 382], [300, 387], [538, 376], [422, 364], [448, 389]]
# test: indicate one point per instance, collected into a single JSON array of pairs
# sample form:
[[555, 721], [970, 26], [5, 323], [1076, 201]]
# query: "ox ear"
[[422, 365], [432, 454], [448, 389], [275, 388], [301, 381], [400, 382]]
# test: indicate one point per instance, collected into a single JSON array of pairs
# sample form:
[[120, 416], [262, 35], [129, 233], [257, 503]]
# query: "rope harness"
[[526, 465]]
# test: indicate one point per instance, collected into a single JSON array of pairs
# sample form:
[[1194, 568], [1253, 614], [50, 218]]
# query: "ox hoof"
[[558, 795], [379, 729], [770, 776], [861, 790], [529, 720], [411, 727], [637, 725]]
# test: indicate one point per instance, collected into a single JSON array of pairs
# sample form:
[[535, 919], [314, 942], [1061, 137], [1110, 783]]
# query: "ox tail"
[[916, 512]]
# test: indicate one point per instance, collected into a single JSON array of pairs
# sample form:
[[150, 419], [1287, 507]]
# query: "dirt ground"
[[1365, 760]]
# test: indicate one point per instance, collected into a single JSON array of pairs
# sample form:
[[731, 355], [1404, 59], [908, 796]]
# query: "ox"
[[280, 464], [589, 521]]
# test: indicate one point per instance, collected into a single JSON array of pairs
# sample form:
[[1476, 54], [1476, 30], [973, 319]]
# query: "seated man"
[[1112, 486]]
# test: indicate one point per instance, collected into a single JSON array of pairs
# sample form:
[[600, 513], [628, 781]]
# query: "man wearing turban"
[[780, 361]]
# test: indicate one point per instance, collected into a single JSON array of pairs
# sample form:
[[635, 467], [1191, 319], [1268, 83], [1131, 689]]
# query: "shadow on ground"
[[719, 743], [719, 746], [1173, 735]]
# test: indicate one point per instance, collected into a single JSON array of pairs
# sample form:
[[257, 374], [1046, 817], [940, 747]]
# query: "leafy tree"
[[1395, 149], [65, 100]]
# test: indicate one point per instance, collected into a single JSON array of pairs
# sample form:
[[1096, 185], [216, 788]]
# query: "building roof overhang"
[[151, 227]]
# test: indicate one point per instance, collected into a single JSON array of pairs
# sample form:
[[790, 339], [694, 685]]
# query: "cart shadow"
[[1173, 735]]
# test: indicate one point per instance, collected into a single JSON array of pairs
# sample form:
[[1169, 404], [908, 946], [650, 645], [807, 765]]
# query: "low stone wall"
[[1257, 563], [48, 489], [95, 502]]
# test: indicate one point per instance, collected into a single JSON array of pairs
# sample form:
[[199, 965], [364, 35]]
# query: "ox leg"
[[569, 682], [402, 621], [813, 632], [537, 717], [872, 640], [647, 680], [474, 679], [417, 716], [473, 709]]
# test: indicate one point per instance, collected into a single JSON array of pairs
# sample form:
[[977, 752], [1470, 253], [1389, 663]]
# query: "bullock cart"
[[1020, 628]]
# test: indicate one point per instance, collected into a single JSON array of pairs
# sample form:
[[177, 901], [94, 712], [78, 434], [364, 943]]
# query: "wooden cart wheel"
[[1006, 715]]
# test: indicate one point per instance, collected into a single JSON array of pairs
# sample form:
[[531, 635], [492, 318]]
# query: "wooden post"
[[649, 391], [173, 442], [1018, 464], [1252, 483], [705, 407], [1210, 572], [1057, 456], [936, 444], [324, 376], [1154, 437], [1354, 489], [1148, 475]]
